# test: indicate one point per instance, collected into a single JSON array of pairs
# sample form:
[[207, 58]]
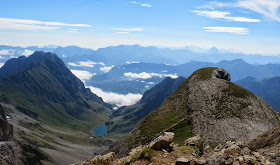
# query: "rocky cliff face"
[[6, 129], [205, 105]]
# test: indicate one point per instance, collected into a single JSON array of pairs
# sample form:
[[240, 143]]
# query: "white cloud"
[[72, 30], [83, 75], [145, 75], [1, 57], [132, 62], [268, 8], [122, 32], [27, 52], [24, 24], [106, 69], [89, 64], [8, 52], [142, 4], [2, 64], [171, 76], [213, 5], [224, 15], [116, 99], [128, 29], [142, 75], [151, 83], [233, 30], [146, 5]]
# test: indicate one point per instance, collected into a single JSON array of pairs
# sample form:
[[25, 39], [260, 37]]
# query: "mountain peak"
[[20, 64]]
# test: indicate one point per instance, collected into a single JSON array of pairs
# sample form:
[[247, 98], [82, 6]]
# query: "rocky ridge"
[[205, 105]]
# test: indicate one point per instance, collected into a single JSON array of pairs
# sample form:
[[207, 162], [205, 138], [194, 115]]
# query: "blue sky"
[[250, 26]]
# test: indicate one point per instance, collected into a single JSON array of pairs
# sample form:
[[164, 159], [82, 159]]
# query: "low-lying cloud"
[[145, 75], [106, 69], [89, 64], [27, 52], [8, 52], [115, 98], [83, 75]]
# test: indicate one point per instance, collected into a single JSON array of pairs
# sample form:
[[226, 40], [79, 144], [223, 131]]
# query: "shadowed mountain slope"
[[42, 87]]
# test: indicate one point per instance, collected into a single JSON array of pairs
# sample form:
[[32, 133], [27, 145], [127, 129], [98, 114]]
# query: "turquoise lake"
[[100, 130]]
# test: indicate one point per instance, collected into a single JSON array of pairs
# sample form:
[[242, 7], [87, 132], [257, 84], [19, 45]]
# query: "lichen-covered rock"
[[267, 139], [267, 144], [6, 129], [195, 141], [183, 161], [9, 153], [163, 141]]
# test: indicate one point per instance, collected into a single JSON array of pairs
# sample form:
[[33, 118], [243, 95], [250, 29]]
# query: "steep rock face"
[[213, 108], [6, 129]]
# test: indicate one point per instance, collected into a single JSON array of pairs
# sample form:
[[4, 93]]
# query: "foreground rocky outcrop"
[[232, 153], [14, 152], [268, 144], [6, 129], [206, 104]]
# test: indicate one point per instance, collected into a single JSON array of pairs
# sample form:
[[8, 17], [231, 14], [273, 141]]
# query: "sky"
[[250, 26]]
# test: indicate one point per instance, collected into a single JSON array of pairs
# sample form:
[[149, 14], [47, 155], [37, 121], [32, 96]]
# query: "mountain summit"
[[206, 104]]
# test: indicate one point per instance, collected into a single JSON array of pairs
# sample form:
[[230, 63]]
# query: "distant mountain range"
[[138, 77], [267, 89], [120, 55], [90, 65]]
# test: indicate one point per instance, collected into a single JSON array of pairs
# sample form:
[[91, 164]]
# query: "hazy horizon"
[[249, 26]]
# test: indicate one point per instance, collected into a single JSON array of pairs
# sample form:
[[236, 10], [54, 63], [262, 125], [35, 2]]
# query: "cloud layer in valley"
[[83, 75], [116, 99], [88, 63], [145, 75], [106, 69]]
